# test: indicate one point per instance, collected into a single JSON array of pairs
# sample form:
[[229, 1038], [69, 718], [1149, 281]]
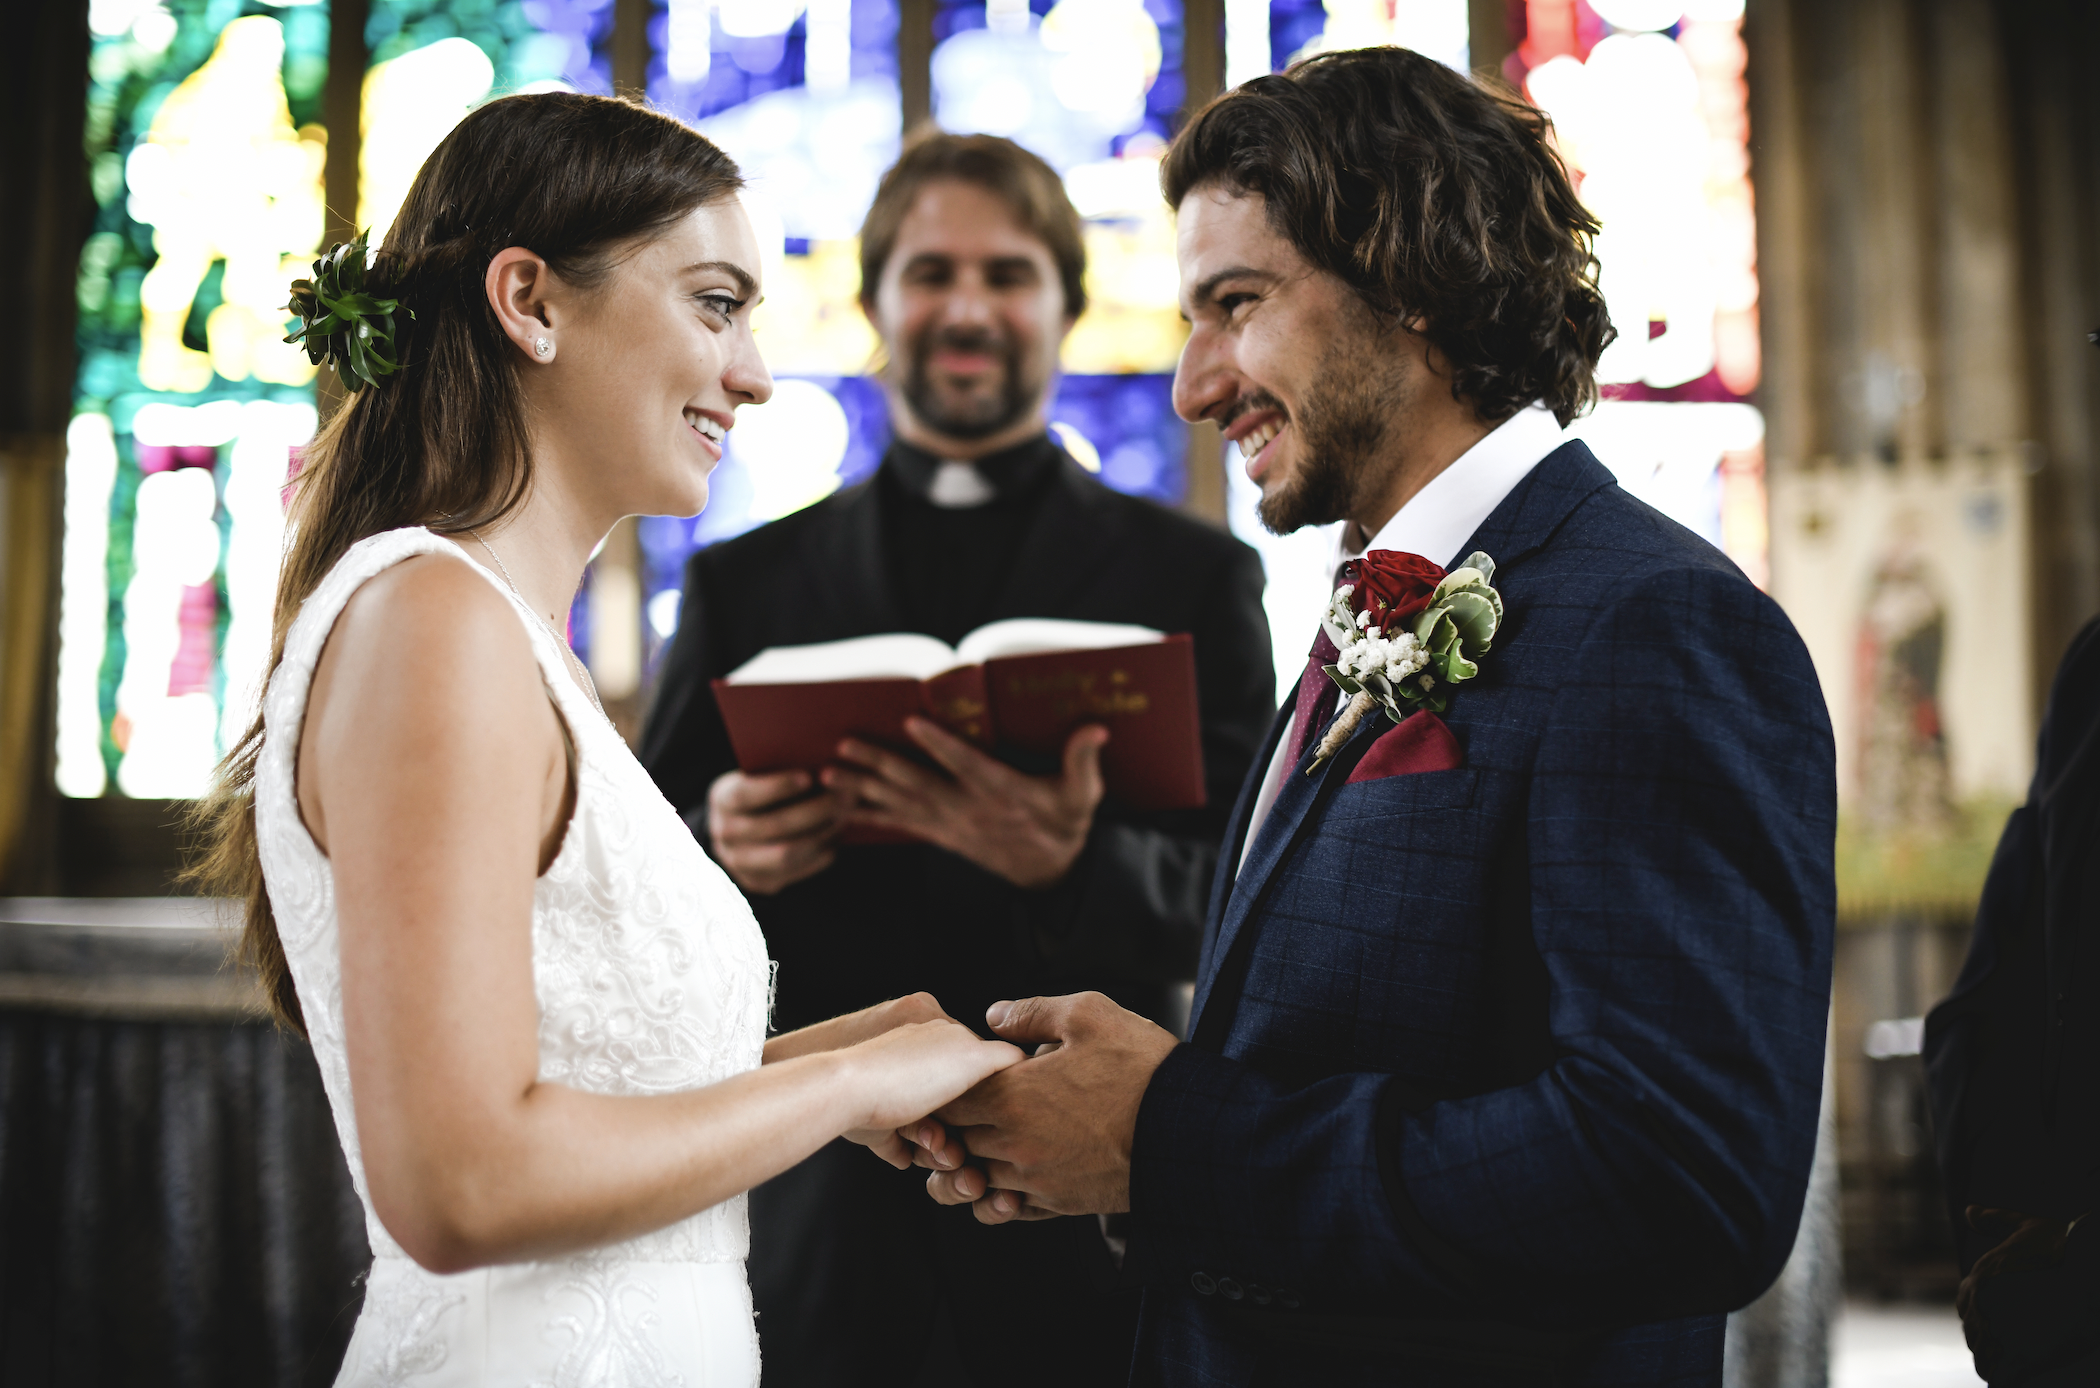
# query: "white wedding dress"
[[651, 976]]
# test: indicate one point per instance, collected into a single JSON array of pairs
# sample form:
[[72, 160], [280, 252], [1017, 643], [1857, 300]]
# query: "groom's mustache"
[[1259, 400]]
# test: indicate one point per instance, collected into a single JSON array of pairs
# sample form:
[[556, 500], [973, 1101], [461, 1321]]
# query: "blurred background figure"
[[2013, 1056], [1850, 244], [1022, 884]]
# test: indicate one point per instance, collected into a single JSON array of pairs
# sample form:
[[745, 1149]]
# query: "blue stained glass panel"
[[1292, 25], [530, 42]]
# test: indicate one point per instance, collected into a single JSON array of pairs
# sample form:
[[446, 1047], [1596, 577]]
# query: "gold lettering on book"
[[961, 715], [1081, 694]]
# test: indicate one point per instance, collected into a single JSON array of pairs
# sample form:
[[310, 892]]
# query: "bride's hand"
[[852, 1028], [908, 1072]]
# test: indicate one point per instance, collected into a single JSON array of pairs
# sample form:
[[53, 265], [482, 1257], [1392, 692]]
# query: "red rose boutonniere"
[[1407, 631]]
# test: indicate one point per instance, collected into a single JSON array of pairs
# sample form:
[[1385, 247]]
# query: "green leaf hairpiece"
[[341, 323]]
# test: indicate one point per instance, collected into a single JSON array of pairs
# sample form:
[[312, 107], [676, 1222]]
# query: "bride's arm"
[[433, 772]]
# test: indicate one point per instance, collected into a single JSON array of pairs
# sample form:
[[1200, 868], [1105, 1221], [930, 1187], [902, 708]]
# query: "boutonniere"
[[1406, 632]]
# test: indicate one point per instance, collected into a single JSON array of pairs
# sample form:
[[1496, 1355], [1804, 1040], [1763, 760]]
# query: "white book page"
[[1035, 635], [896, 655]]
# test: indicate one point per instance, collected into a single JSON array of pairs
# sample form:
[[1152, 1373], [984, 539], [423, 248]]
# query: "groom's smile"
[[1283, 358]]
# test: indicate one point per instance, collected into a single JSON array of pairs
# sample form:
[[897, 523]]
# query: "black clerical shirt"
[[949, 564], [1043, 539]]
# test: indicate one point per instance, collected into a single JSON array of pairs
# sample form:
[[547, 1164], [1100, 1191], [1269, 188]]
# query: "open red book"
[[1021, 685]]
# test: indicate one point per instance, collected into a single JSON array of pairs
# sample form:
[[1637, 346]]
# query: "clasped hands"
[[1050, 1135], [774, 830]]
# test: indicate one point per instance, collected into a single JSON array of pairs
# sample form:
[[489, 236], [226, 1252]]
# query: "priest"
[[1021, 879]]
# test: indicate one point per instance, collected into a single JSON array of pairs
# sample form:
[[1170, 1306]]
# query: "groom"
[[1508, 1036]]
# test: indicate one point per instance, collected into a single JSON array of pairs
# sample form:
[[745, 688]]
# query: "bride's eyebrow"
[[745, 285]]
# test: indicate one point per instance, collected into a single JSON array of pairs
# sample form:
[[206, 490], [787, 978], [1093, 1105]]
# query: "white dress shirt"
[[1434, 523]]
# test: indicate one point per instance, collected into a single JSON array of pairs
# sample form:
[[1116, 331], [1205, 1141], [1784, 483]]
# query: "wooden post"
[[1489, 36], [342, 111], [44, 186], [1202, 54], [630, 48], [915, 61]]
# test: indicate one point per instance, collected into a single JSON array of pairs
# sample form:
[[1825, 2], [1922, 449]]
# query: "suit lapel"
[[1294, 804], [850, 544], [1222, 880], [1062, 548], [1526, 519]]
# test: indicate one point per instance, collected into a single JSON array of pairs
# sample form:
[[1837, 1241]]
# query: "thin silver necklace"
[[582, 671]]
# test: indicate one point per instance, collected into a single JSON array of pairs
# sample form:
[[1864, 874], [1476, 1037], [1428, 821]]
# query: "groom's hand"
[[1053, 1133], [1027, 829]]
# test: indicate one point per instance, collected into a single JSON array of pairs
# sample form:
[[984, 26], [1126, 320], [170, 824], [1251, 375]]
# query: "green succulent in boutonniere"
[[1405, 633], [1459, 624], [341, 322]]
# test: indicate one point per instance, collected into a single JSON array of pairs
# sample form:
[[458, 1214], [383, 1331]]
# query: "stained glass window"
[[1651, 112], [432, 61], [207, 152], [207, 147]]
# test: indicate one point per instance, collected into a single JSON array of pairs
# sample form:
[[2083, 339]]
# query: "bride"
[[539, 1009]]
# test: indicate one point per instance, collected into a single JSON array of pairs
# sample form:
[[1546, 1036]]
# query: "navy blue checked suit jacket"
[[1510, 1074]]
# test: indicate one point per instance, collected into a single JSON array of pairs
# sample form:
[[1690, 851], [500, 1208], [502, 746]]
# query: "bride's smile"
[[648, 360]]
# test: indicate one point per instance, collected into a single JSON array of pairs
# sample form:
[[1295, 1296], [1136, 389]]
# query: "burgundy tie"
[[1316, 694]]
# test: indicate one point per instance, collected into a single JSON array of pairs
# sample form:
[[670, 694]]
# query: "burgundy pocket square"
[[1420, 743]]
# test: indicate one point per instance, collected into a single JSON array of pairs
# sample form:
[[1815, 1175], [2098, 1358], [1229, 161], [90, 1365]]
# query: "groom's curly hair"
[[1434, 198]]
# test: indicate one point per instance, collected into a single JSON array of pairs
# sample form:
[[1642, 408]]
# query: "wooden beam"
[[1202, 53], [915, 61], [1491, 35], [630, 48], [342, 108], [44, 186]]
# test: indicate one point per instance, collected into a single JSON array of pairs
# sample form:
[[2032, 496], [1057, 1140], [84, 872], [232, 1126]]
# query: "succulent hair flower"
[[341, 322]]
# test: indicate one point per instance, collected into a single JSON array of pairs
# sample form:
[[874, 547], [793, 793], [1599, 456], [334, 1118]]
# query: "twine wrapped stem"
[[1342, 729]]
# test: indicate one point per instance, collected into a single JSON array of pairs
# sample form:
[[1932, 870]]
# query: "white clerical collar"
[[959, 486], [1441, 517]]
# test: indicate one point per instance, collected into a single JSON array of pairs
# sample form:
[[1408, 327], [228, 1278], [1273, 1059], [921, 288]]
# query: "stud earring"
[[541, 347]]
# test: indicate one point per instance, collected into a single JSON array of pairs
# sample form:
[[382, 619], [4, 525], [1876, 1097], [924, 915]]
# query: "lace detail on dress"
[[649, 969], [608, 1346], [407, 1336]]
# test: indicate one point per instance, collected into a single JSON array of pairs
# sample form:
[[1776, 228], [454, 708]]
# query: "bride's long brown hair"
[[443, 443]]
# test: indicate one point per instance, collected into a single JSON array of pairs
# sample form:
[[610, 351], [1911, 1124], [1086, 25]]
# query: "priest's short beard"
[[976, 418], [1345, 435]]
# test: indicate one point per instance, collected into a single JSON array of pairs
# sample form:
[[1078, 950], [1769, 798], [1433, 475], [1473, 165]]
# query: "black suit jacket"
[[888, 920], [2013, 1054]]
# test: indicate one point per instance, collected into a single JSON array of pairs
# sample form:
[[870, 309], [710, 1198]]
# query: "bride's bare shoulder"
[[435, 616], [435, 590]]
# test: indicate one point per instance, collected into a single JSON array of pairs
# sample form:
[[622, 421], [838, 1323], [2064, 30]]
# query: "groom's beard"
[[971, 415], [1343, 436]]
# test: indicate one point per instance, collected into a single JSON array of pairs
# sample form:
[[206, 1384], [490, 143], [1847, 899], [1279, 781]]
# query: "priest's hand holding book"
[[1027, 829], [891, 739], [771, 831]]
